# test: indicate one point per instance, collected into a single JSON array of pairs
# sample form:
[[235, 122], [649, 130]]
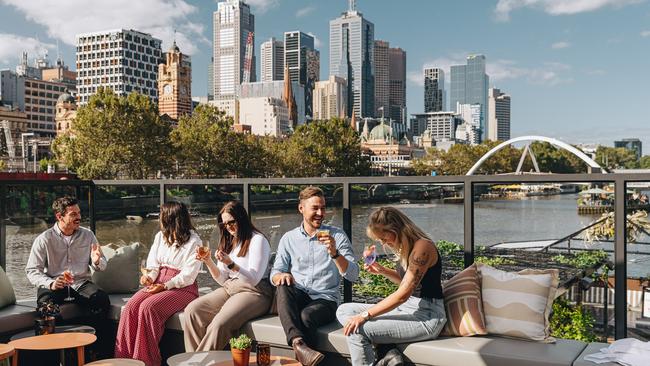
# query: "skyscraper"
[[351, 57], [119, 59], [469, 85], [434, 90], [397, 84], [272, 65], [382, 79], [303, 61], [233, 21], [499, 121], [330, 98], [175, 84]]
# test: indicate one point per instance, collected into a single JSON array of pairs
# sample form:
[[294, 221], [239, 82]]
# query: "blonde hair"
[[310, 192], [390, 219]]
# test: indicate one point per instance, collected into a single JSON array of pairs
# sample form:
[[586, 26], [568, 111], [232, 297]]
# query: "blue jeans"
[[415, 320]]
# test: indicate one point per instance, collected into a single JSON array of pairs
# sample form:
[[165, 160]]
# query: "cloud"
[[560, 45], [556, 7], [645, 33], [546, 74], [63, 20], [317, 41], [262, 6], [11, 45], [305, 11]]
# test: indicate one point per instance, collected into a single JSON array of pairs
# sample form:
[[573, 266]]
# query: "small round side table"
[[7, 351], [117, 362]]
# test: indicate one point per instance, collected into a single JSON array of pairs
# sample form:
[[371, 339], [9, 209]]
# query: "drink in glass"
[[263, 354], [203, 252], [321, 234], [69, 280], [369, 255]]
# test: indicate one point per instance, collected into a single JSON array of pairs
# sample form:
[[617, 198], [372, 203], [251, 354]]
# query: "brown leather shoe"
[[306, 355]]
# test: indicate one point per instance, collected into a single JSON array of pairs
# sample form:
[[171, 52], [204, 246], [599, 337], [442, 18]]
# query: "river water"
[[535, 218]]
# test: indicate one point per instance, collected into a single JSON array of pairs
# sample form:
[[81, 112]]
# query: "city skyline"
[[568, 76]]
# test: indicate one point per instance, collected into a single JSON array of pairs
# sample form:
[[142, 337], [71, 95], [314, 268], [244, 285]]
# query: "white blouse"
[[183, 259], [253, 267]]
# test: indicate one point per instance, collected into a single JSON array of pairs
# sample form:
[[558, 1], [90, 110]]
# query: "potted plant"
[[240, 347], [47, 322]]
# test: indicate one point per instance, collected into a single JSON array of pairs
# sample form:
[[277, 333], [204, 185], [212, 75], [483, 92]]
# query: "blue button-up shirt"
[[310, 264]]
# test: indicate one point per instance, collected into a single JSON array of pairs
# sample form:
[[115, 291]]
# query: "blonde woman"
[[415, 311]]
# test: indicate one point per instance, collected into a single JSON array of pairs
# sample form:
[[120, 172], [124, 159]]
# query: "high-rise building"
[[175, 84], [434, 90], [40, 105], [303, 61], [441, 126], [351, 58], [499, 121], [382, 78], [232, 24], [60, 73], [122, 60], [265, 116], [469, 85], [12, 90], [632, 145], [471, 114], [211, 80], [275, 89], [330, 98], [397, 84], [272, 64]]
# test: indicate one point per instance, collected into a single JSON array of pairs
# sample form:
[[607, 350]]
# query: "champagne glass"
[[68, 277], [203, 251]]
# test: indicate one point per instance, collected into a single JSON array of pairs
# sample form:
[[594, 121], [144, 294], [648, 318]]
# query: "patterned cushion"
[[519, 304], [463, 304]]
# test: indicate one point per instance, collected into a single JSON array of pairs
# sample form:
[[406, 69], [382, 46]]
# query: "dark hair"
[[176, 223], [61, 204], [245, 228], [310, 192]]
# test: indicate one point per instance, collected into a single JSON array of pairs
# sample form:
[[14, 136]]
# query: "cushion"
[[7, 295], [463, 304], [122, 274], [518, 304]]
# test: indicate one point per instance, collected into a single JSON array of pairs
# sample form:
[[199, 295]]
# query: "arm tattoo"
[[420, 259]]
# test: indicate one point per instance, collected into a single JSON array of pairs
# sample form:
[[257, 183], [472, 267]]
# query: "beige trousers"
[[211, 320]]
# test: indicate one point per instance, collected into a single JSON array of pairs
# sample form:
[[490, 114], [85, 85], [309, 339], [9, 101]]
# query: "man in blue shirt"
[[307, 272]]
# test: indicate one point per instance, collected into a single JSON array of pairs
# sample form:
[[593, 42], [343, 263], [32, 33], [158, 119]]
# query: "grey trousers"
[[211, 320]]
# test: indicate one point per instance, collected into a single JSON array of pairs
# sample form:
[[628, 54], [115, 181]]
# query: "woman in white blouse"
[[242, 271], [169, 286]]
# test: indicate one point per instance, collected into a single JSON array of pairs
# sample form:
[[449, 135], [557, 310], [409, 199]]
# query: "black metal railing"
[[469, 183]]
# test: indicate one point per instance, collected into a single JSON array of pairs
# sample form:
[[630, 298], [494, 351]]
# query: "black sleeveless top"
[[431, 286]]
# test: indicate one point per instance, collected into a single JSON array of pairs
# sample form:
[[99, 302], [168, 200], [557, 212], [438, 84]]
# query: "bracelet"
[[231, 265], [336, 255]]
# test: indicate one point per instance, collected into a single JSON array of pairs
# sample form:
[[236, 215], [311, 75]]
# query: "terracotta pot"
[[240, 357]]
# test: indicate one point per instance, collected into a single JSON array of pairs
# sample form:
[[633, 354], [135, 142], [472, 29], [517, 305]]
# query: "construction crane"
[[8, 141], [248, 58]]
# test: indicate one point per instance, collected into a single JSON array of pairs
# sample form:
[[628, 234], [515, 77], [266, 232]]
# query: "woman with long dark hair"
[[242, 271], [170, 285]]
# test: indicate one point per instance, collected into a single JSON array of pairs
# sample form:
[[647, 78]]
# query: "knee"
[[343, 313], [283, 292]]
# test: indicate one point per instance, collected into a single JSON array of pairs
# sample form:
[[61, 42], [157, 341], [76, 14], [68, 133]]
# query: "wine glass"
[[203, 251], [68, 277]]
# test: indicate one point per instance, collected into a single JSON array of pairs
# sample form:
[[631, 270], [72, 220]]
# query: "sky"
[[576, 70]]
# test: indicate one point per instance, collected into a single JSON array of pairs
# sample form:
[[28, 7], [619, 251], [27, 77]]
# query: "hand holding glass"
[[322, 234], [145, 279], [203, 252], [369, 255]]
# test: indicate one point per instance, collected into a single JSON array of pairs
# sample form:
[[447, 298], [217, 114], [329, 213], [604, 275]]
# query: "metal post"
[[91, 207], [620, 261], [3, 228], [247, 198], [606, 308], [468, 211], [163, 194], [347, 227]]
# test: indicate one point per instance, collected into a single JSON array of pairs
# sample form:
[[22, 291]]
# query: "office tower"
[[351, 57], [441, 126], [397, 85], [330, 98], [40, 105], [469, 85], [175, 84], [266, 116], [272, 64], [12, 90], [60, 73], [499, 121], [434, 90], [211, 80], [275, 89], [232, 24], [471, 114], [633, 145], [123, 60], [303, 61], [382, 80]]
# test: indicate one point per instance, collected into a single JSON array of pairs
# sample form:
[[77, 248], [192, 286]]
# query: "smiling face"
[[313, 212], [229, 223], [70, 220]]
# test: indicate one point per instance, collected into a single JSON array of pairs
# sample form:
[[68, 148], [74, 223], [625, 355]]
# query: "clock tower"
[[175, 84]]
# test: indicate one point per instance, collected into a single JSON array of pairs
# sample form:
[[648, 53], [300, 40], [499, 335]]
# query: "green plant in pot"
[[240, 347]]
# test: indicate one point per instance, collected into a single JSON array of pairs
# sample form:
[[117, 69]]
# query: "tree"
[[325, 147], [616, 158], [552, 159], [460, 158], [644, 163], [115, 137], [3, 165]]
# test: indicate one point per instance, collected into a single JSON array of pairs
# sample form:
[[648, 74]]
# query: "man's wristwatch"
[[336, 255], [365, 315]]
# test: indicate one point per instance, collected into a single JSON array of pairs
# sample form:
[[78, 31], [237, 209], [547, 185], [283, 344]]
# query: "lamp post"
[[22, 139]]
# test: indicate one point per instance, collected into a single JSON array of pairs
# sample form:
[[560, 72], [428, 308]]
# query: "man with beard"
[[306, 271], [67, 247]]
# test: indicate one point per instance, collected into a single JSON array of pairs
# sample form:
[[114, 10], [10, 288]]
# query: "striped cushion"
[[463, 304], [519, 304]]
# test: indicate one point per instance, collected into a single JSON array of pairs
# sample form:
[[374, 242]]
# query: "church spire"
[[289, 99]]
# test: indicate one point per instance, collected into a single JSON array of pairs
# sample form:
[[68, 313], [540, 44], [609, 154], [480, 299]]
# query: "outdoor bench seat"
[[589, 350]]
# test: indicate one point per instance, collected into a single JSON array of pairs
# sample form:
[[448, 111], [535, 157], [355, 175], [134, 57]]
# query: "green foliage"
[[494, 261], [615, 158], [644, 163], [3, 165], [582, 260], [572, 322], [242, 342], [115, 137], [551, 159], [375, 285], [44, 163]]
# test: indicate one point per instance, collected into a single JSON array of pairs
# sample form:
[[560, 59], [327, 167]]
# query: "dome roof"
[[174, 48], [66, 98], [380, 132]]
